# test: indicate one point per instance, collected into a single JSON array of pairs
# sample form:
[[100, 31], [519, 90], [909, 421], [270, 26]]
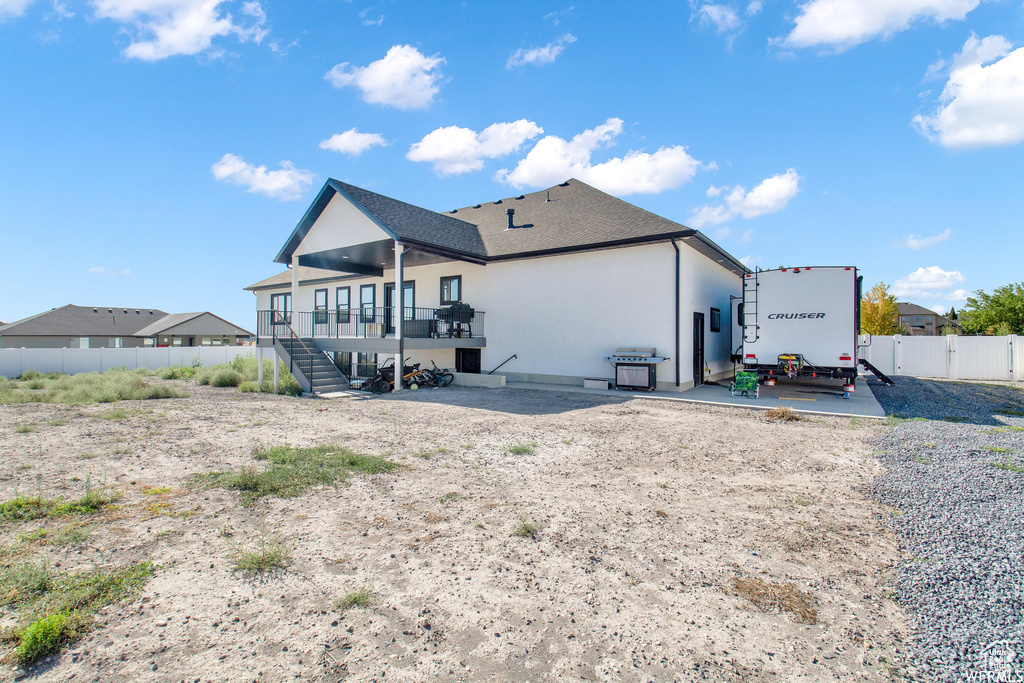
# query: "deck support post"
[[277, 370], [399, 315], [295, 286], [259, 367]]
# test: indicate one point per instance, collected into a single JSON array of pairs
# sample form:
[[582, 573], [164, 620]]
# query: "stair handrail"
[[292, 339]]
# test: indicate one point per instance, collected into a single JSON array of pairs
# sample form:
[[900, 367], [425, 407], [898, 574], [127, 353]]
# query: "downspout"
[[676, 247]]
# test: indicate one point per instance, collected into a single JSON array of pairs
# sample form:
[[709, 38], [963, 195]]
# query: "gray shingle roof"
[[571, 216], [85, 321], [169, 321]]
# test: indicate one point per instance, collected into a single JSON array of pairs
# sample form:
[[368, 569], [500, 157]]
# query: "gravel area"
[[955, 486]]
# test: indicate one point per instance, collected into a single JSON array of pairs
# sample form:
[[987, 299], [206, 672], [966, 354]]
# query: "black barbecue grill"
[[635, 368]]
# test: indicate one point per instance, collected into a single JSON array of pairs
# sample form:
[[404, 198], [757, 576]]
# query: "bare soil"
[[647, 514]]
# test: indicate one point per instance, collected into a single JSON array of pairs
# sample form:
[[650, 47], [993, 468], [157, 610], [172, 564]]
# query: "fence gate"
[[948, 357]]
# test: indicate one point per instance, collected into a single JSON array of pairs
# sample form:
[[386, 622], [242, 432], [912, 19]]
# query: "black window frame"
[[365, 317], [343, 315], [410, 304], [320, 312], [448, 280], [366, 368], [716, 320], [287, 309]]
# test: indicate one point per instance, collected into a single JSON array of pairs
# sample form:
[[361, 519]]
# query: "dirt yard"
[[646, 513]]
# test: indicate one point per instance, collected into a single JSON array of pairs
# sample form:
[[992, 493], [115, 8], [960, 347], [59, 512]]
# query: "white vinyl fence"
[[13, 362], [948, 357]]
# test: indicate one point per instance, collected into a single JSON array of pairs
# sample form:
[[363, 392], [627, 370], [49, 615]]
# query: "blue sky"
[[158, 152]]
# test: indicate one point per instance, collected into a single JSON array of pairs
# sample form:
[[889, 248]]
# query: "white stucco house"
[[554, 280]]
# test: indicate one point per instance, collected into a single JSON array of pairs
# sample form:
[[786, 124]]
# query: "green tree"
[[879, 313], [1001, 312]]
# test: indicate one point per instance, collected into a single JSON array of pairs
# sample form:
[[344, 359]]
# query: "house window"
[[83, 342], [367, 302], [366, 364], [282, 304], [917, 318], [716, 320], [451, 290], [148, 341], [73, 343], [320, 307], [176, 341], [115, 343], [343, 301]]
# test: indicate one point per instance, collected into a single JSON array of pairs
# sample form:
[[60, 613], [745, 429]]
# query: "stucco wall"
[[562, 314], [340, 225]]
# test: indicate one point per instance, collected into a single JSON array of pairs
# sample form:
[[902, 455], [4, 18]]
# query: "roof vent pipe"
[[510, 213]]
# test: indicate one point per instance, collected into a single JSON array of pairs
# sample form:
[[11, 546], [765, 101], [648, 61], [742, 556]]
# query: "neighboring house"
[[564, 277], [112, 327], [919, 321]]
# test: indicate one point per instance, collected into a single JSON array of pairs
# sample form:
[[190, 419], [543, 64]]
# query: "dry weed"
[[782, 414], [769, 597]]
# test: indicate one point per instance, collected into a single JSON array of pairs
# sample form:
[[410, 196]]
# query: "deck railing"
[[450, 321]]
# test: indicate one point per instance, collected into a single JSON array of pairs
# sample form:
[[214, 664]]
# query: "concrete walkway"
[[816, 396]]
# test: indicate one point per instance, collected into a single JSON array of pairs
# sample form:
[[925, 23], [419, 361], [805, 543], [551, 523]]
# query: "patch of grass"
[[522, 448], [996, 449], [802, 502], [361, 597], [1008, 465], [226, 377], [21, 508], [525, 528], [156, 490], [450, 497], [94, 387], [73, 534], [24, 429], [662, 484], [919, 460], [25, 582], [783, 414], [426, 455], [292, 471], [86, 456], [1016, 412], [115, 414], [57, 422], [771, 597], [24, 466], [59, 608], [249, 387], [928, 445], [468, 446], [266, 554]]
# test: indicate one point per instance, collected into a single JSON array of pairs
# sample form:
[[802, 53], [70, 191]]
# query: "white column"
[[399, 315], [295, 288], [259, 367], [277, 370]]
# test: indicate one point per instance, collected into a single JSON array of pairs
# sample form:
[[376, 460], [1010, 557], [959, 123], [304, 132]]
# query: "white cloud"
[[540, 55], [940, 309], [755, 7], [841, 24], [722, 17], [352, 142], [553, 160], [403, 78], [746, 236], [915, 243], [750, 261], [453, 150], [164, 28], [958, 295], [100, 270], [13, 8], [982, 101], [286, 184], [770, 195], [370, 20], [60, 11], [927, 282], [721, 234]]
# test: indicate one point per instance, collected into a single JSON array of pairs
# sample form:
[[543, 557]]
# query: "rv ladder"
[[750, 329], [878, 373]]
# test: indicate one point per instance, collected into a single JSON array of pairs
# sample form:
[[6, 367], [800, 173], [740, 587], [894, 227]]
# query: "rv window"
[[716, 320]]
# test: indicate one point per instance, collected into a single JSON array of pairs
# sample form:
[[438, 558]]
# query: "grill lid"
[[635, 352]]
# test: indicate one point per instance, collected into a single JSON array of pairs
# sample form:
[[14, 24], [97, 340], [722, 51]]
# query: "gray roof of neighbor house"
[[571, 216], [914, 309], [175, 319], [307, 276], [85, 321]]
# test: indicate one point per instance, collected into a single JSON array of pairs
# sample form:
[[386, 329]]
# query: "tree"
[[1001, 312], [879, 313]]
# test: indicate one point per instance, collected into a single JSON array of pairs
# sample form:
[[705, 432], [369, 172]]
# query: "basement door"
[[698, 349]]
